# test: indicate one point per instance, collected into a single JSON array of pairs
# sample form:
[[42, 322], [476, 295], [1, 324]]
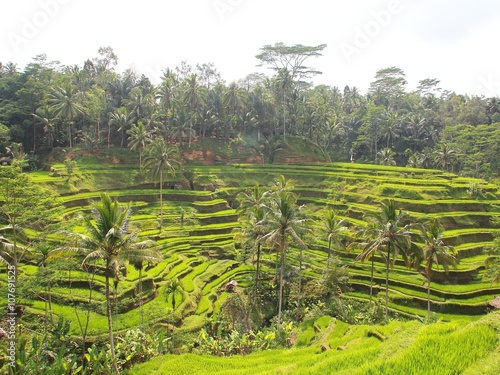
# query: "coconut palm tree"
[[444, 155], [138, 103], [172, 288], [389, 234], [139, 265], [435, 252], [368, 252], [45, 117], [194, 96], [110, 241], [252, 218], [121, 119], [138, 138], [386, 156], [284, 223], [234, 101], [159, 160], [333, 229], [250, 232], [65, 103]]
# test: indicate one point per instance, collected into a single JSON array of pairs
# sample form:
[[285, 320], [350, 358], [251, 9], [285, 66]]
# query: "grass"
[[396, 348]]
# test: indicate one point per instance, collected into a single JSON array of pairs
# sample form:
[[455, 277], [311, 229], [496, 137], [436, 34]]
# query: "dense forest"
[[48, 105]]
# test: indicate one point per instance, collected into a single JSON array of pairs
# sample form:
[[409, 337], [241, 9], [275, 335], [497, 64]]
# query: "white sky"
[[456, 41]]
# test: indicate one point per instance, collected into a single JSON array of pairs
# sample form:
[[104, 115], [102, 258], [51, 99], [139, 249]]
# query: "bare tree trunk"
[[110, 321], [387, 282], [371, 281], [428, 298]]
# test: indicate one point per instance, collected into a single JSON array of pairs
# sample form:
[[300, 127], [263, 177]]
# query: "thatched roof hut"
[[495, 303]]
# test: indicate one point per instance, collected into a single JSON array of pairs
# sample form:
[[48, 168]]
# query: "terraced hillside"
[[197, 240]]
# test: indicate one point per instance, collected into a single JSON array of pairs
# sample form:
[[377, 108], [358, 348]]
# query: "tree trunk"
[[69, 135], [428, 298], [110, 321], [161, 200], [140, 159], [257, 273], [49, 297], [299, 291], [140, 298], [282, 272], [329, 248], [34, 136], [371, 280], [387, 282]]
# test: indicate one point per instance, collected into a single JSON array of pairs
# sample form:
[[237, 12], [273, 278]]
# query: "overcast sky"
[[456, 42]]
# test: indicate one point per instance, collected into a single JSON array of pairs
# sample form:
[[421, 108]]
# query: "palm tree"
[[121, 119], [160, 158], [368, 253], [167, 90], [139, 265], [65, 102], [46, 118], [435, 252], [173, 287], [109, 240], [333, 229], [386, 156], [270, 148], [137, 103], [389, 234], [252, 217], [391, 127], [284, 222], [194, 97], [251, 231], [234, 101], [138, 138], [444, 155]]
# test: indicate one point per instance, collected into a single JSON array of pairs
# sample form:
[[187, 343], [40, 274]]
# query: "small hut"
[[495, 304], [231, 286]]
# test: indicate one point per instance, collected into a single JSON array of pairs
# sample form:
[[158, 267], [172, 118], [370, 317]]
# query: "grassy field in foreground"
[[458, 347]]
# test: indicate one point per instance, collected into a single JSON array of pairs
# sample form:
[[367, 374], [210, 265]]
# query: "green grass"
[[396, 348]]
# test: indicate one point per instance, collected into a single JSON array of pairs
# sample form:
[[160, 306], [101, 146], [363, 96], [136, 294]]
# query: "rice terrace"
[[189, 298], [265, 226]]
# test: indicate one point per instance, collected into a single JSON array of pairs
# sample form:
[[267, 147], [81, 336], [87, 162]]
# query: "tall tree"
[[24, 205], [386, 156], [109, 240], [333, 229], [159, 160], [138, 138], [388, 87], [390, 234], [66, 103], [285, 222], [45, 117], [289, 64], [122, 120], [253, 219], [280, 56], [444, 155], [435, 253], [194, 97]]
